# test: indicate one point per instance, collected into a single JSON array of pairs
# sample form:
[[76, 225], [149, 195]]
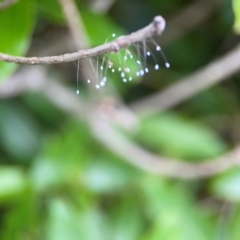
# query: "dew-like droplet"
[[88, 81], [124, 80], [146, 70], [156, 67], [148, 53], [113, 35], [138, 62], [97, 86], [131, 56], [122, 74], [101, 68], [130, 78], [77, 91], [167, 65], [113, 70], [141, 72], [137, 73], [125, 58], [119, 69], [127, 69], [158, 48]]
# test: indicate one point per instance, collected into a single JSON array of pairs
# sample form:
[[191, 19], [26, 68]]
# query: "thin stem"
[[155, 28]]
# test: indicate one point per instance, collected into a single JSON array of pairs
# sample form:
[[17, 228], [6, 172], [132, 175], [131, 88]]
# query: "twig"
[[75, 24], [150, 162], [106, 134], [204, 78], [101, 6], [22, 81], [7, 3], [156, 27]]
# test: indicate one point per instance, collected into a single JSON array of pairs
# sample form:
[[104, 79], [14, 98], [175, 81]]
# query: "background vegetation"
[[58, 182]]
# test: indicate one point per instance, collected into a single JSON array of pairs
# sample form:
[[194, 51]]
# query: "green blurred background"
[[57, 182]]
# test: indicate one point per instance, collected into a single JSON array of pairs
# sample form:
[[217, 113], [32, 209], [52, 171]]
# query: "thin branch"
[[101, 6], [7, 3], [75, 24], [186, 88], [22, 81], [156, 27], [107, 135], [150, 162], [78, 32]]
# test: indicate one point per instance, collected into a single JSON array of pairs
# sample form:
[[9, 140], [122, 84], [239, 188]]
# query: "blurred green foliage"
[[191, 140], [58, 183], [236, 8], [16, 26]]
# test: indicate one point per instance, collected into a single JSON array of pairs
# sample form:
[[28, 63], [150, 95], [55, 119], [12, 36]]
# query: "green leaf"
[[12, 182], [42, 108], [106, 176], [19, 133], [236, 9], [67, 222], [16, 24], [51, 10], [61, 160], [69, 158], [15, 226], [227, 185], [234, 223], [93, 224], [172, 213], [126, 222], [178, 137], [62, 222], [100, 27]]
